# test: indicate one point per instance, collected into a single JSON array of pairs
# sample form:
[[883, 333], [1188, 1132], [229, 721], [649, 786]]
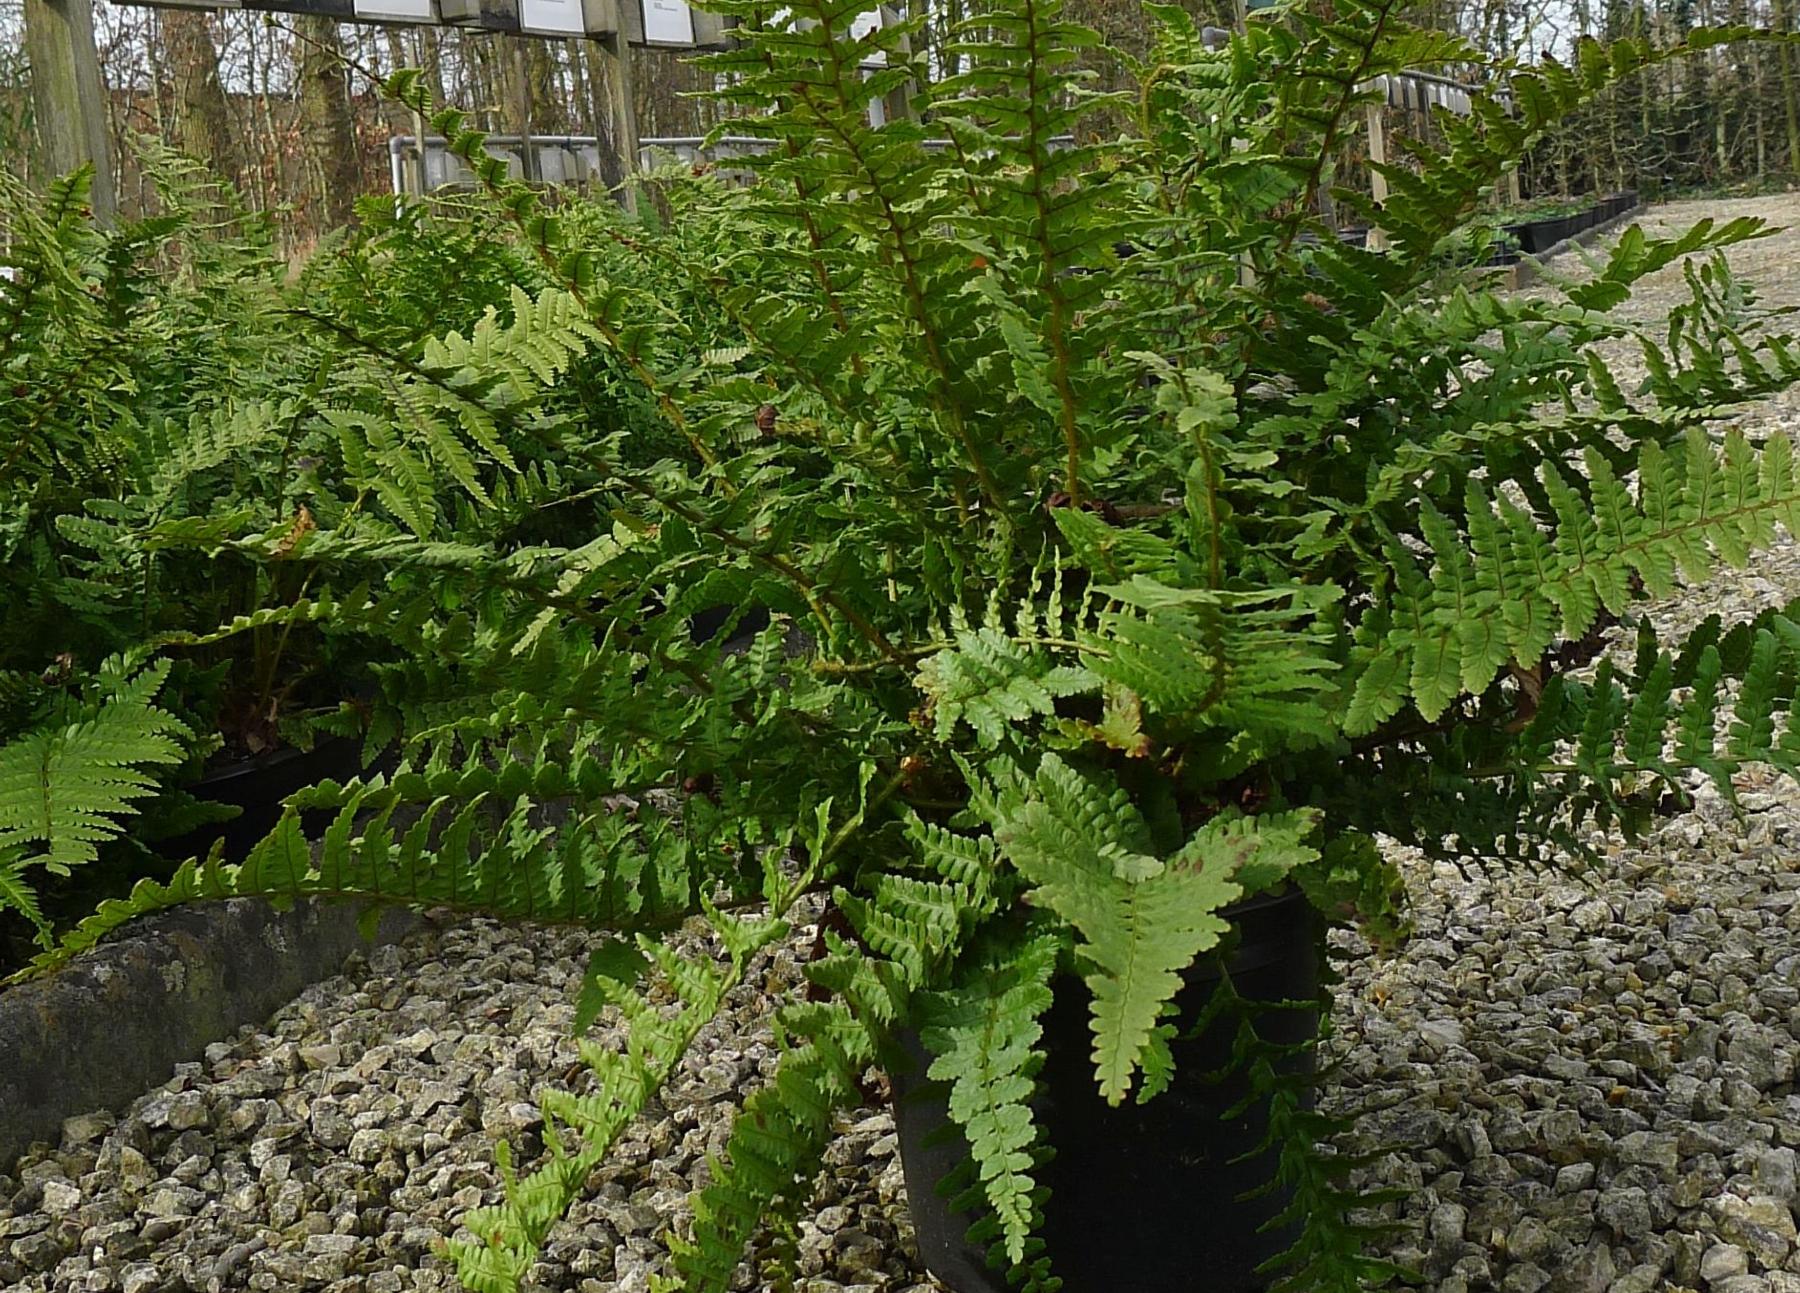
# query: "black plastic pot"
[[256, 786], [705, 625], [1143, 1198], [1539, 236]]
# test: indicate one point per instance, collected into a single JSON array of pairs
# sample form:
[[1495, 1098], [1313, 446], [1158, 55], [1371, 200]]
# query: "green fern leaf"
[[1142, 922], [984, 1034], [64, 789]]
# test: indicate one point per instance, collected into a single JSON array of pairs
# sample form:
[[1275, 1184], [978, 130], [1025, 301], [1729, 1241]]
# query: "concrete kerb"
[[114, 1022]]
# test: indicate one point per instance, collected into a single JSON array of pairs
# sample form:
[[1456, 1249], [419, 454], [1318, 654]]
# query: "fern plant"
[[1124, 554], [179, 423], [69, 783]]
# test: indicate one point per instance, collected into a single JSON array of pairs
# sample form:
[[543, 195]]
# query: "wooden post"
[[1378, 186], [616, 53], [421, 173], [521, 107], [900, 105], [68, 95]]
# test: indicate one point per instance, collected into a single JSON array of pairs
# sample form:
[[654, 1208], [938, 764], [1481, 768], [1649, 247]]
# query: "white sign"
[[552, 17], [668, 22], [861, 26], [396, 10]]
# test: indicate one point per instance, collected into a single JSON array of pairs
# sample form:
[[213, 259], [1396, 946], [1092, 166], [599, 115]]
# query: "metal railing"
[[566, 159], [546, 159]]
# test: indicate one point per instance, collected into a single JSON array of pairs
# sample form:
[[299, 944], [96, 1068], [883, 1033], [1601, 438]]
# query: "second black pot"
[[1539, 236], [1143, 1198], [256, 786]]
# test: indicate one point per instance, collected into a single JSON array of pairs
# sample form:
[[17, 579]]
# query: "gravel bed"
[[1588, 1080]]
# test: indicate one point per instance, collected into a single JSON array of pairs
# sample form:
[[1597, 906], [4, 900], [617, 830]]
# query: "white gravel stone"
[[1722, 1261], [59, 1198]]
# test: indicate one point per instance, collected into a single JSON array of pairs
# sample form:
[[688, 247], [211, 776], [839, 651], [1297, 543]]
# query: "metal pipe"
[[396, 169]]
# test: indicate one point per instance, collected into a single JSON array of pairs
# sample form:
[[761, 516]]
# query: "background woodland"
[[284, 107]]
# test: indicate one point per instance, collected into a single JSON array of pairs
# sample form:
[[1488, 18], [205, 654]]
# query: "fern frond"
[[1525, 576], [63, 789], [776, 1146], [19, 896], [984, 1032], [988, 681], [1142, 921]]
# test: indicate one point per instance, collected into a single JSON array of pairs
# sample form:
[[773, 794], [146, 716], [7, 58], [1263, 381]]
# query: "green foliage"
[[67, 783], [1511, 582], [1086, 856], [984, 1033], [1123, 551]]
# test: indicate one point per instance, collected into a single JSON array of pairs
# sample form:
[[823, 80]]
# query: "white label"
[[552, 17], [861, 26], [396, 10], [668, 22]]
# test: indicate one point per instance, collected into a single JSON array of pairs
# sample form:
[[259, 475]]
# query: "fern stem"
[[1328, 144], [912, 289], [1057, 324], [810, 588]]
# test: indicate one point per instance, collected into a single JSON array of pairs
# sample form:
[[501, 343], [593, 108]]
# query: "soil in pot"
[[1143, 1198]]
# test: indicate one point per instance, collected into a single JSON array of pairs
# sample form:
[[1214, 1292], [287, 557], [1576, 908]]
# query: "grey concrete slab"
[[114, 1022]]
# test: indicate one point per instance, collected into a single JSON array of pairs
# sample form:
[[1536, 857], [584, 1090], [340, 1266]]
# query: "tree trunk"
[[543, 77], [202, 125], [327, 121], [1758, 98], [603, 111], [1790, 93], [431, 59]]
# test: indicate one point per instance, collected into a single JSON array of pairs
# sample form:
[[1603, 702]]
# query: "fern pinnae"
[[64, 788], [983, 1031]]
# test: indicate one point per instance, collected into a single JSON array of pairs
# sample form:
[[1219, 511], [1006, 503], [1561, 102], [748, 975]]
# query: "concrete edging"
[[114, 1021]]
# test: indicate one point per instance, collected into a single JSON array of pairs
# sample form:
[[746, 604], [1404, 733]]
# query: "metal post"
[[69, 96]]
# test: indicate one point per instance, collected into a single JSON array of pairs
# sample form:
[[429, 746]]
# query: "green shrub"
[[180, 415], [1126, 553]]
